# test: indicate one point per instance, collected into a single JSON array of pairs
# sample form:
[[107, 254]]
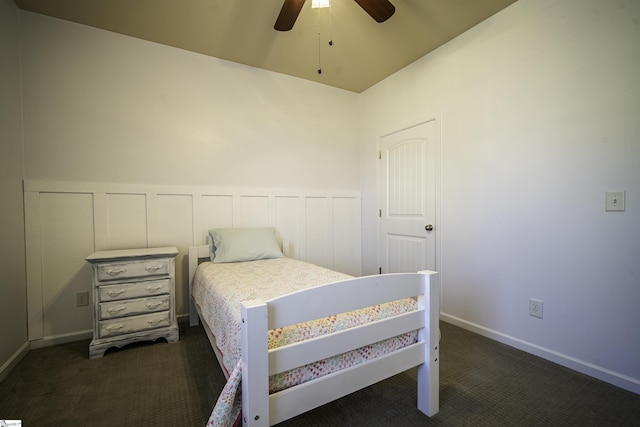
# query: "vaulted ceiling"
[[363, 52]]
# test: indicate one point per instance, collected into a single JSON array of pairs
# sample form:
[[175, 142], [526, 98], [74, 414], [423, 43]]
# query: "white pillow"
[[243, 244]]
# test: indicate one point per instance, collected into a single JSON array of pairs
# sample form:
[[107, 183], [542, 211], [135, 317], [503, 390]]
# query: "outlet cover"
[[535, 308], [82, 299], [615, 201]]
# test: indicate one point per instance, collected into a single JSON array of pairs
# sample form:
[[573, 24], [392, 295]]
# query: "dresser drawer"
[[127, 325], [109, 310], [133, 290], [124, 270]]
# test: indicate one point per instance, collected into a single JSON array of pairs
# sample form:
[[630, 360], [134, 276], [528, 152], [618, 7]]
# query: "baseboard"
[[603, 374], [61, 339], [14, 360]]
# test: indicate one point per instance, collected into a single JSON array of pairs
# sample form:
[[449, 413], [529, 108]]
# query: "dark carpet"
[[482, 383]]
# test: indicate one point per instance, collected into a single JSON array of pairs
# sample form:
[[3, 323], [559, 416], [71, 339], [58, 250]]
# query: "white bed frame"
[[259, 408]]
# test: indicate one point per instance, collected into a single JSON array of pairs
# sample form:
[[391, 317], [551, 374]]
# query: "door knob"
[[428, 227]]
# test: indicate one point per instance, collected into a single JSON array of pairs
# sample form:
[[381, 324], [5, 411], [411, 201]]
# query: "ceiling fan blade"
[[288, 14], [380, 10]]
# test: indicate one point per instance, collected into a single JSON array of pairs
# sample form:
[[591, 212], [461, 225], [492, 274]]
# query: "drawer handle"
[[115, 310], [115, 328], [116, 293], [153, 268], [154, 322], [153, 288], [112, 272], [152, 305]]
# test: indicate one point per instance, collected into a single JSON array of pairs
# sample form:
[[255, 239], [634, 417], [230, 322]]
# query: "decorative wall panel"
[[67, 221]]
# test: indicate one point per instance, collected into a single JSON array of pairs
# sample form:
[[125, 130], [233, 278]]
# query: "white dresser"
[[133, 297]]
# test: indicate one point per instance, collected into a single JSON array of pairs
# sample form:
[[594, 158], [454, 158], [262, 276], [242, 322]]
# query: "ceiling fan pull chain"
[[330, 25], [319, 59]]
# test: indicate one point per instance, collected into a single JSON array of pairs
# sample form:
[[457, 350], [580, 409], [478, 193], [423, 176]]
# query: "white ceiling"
[[363, 52]]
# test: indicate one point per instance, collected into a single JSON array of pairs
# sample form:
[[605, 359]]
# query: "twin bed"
[[291, 336]]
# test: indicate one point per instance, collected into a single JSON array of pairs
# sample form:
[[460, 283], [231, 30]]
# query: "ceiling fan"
[[380, 10]]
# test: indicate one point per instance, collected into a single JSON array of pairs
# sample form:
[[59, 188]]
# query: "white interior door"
[[408, 199]]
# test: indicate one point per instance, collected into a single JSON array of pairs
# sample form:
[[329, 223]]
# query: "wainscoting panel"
[[254, 211], [174, 220], [126, 220], [287, 221], [317, 231], [67, 221], [67, 235], [346, 236], [174, 213], [217, 211]]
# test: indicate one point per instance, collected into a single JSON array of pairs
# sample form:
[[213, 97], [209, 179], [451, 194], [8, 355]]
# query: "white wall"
[[539, 109], [104, 107], [158, 126], [13, 282]]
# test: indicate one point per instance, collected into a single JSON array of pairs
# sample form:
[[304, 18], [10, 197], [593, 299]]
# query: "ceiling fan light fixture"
[[316, 4]]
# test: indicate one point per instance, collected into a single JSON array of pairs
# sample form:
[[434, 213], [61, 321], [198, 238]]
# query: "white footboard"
[[261, 409]]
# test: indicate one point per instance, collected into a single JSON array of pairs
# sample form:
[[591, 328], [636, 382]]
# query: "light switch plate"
[[615, 201]]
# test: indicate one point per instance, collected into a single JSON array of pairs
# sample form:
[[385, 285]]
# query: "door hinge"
[[379, 155], [380, 213], [379, 270]]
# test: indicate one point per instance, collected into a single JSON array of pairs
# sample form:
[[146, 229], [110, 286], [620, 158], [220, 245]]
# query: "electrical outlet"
[[535, 308], [82, 299]]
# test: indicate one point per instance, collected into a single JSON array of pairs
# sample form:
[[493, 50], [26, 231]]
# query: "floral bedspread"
[[218, 289]]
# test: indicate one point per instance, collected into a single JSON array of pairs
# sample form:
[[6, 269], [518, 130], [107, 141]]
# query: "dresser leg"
[[96, 350], [173, 335]]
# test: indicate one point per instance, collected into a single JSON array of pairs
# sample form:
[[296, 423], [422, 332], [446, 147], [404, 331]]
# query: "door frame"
[[439, 223]]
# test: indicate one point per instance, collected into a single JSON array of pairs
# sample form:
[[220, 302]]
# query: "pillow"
[[243, 244]]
